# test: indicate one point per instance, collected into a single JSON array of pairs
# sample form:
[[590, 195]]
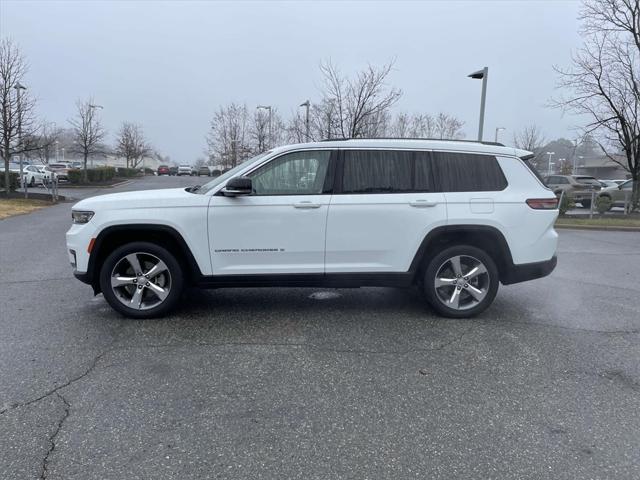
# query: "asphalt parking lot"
[[318, 384]]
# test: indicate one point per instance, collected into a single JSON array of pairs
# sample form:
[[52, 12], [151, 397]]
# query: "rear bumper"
[[528, 271]]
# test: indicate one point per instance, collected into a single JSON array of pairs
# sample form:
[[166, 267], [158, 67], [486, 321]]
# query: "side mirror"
[[238, 186]]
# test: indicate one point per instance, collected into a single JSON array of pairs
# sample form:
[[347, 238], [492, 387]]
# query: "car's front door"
[[279, 228]]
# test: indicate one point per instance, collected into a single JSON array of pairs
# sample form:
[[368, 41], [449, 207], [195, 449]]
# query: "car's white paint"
[[342, 233]]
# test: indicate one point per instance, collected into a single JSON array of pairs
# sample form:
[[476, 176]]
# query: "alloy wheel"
[[141, 281], [462, 282]]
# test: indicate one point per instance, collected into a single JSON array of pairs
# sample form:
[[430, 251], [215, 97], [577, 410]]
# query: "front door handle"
[[422, 203], [306, 204]]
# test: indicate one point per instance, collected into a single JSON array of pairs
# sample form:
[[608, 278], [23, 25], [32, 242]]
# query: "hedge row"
[[128, 172], [94, 175], [13, 181]]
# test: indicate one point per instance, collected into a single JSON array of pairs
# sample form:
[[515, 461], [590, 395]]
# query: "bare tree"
[[530, 138], [228, 137], [357, 105], [87, 131], [17, 124], [448, 127], [604, 80], [132, 145], [46, 139], [259, 130]]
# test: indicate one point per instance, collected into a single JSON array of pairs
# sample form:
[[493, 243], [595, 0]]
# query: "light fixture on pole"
[[306, 104], [549, 163], [267, 107], [481, 75], [498, 130]]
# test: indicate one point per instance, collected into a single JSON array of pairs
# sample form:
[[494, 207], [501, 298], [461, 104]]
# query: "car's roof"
[[408, 143]]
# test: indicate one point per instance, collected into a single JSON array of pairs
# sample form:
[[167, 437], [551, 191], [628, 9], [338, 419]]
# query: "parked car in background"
[[13, 167], [76, 165], [173, 170], [579, 187], [163, 170], [61, 170], [618, 194], [185, 170], [608, 183], [33, 175], [204, 170]]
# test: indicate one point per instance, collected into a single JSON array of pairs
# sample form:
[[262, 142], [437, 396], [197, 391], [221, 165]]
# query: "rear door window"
[[377, 171]]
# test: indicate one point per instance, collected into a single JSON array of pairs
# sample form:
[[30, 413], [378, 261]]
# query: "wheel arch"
[[117, 235], [487, 238]]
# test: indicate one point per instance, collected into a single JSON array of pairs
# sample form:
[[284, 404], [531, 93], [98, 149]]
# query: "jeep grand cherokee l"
[[454, 218]]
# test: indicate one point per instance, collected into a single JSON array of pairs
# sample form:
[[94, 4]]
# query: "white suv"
[[455, 218]]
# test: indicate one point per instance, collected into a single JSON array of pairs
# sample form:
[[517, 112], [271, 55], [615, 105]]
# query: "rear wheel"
[[461, 281], [141, 280]]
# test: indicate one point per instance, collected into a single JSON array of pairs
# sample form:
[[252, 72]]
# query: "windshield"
[[225, 176]]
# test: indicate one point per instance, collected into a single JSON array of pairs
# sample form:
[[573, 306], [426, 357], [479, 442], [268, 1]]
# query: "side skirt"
[[328, 280]]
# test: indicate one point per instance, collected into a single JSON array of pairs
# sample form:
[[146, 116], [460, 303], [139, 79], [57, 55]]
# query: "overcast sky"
[[169, 65]]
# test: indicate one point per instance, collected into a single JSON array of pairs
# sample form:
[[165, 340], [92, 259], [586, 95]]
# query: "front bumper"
[[528, 271]]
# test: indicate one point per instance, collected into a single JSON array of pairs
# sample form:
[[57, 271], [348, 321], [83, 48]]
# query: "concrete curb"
[[610, 228], [124, 182]]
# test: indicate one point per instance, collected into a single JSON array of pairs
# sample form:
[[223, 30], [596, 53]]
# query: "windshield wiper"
[[193, 189]]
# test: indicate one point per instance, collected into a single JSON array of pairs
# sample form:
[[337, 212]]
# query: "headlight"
[[80, 216]]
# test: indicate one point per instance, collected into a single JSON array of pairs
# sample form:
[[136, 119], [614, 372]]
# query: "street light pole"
[[19, 87], [481, 75], [498, 130], [549, 163], [306, 104], [267, 107]]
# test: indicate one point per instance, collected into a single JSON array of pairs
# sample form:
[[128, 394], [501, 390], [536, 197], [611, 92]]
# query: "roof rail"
[[495, 144]]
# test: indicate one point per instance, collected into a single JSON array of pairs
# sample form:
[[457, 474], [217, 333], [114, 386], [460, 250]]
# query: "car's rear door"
[[382, 208]]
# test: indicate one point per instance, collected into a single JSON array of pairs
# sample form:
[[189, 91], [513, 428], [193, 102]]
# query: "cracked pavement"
[[281, 383]]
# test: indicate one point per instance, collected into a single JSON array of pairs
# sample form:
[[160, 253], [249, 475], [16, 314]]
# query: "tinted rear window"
[[377, 171], [467, 172]]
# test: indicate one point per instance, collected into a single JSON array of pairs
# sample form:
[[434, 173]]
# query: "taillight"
[[543, 203]]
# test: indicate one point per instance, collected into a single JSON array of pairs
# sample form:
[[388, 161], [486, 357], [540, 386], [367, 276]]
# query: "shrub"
[[603, 204], [94, 175], [566, 204], [149, 171], [13, 181], [127, 172], [74, 176]]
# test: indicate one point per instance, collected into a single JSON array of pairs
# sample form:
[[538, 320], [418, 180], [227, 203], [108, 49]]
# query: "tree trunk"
[[7, 175], [84, 170]]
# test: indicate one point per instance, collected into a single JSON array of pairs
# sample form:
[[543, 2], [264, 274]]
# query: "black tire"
[[585, 203], [176, 278], [491, 279]]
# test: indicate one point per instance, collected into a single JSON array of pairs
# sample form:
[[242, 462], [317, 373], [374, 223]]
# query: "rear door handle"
[[422, 203], [306, 204]]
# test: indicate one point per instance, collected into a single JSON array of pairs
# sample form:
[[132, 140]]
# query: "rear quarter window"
[[467, 172]]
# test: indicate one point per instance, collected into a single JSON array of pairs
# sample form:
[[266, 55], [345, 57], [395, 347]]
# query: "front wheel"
[[141, 280], [461, 281]]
